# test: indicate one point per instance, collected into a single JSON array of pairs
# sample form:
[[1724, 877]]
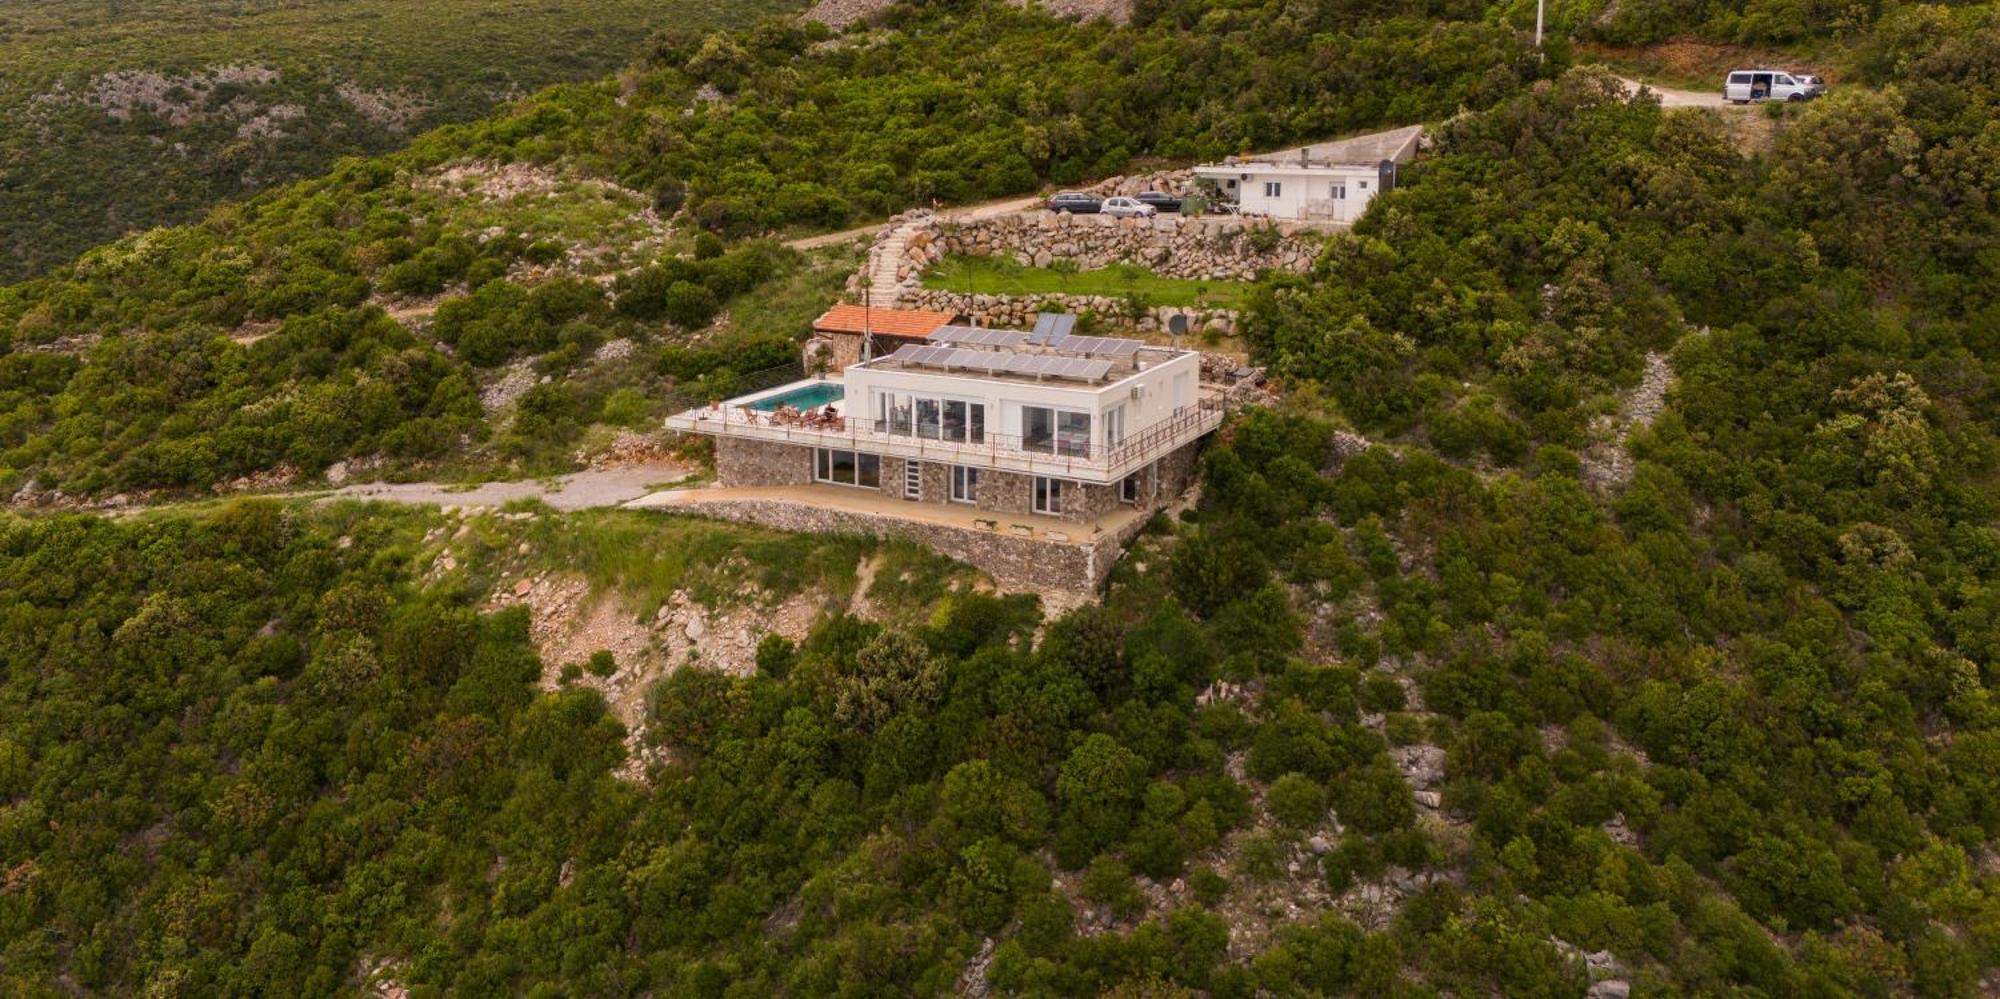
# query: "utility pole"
[[867, 317], [1539, 4]]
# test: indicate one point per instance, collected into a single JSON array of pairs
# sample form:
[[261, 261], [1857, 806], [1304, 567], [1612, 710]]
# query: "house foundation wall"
[[740, 462]]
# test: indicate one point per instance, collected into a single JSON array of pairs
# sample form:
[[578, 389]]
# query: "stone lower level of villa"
[[746, 462]]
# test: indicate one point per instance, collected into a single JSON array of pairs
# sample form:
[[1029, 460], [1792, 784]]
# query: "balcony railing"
[[1073, 459]]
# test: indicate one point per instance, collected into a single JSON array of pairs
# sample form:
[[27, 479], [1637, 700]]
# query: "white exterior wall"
[[1304, 192], [1158, 399]]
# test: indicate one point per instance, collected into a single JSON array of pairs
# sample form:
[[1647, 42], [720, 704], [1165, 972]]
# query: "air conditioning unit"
[[1138, 391]]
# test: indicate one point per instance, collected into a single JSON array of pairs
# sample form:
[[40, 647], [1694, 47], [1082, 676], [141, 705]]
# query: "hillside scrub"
[[122, 118], [957, 104]]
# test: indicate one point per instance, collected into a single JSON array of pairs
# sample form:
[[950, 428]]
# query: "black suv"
[[1076, 202]]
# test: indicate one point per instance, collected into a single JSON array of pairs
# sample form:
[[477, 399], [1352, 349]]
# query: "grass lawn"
[[1005, 276]]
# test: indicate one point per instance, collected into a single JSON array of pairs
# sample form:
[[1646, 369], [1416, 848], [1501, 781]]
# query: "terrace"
[[1085, 460]]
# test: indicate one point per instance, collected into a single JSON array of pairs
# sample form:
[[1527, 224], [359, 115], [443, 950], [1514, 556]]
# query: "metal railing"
[[1001, 452]]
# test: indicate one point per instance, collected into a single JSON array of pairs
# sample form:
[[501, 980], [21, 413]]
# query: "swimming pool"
[[804, 397]]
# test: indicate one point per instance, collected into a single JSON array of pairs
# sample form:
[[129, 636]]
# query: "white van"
[[1746, 85]]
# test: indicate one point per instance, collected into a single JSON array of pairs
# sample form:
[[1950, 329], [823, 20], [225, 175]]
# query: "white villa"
[[1040, 422], [1330, 181]]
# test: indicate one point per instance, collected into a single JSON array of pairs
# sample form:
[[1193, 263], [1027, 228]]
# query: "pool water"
[[803, 398]]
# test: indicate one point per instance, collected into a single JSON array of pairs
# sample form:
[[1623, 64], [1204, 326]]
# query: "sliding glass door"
[[930, 417]]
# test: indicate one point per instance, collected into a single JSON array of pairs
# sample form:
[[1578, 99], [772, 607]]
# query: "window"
[[1272, 188], [905, 415], [1048, 495], [1055, 431], [1114, 426], [964, 484], [1339, 192], [1363, 183], [927, 418], [847, 468]]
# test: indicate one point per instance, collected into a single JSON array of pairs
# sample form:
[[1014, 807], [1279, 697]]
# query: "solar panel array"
[[991, 362], [973, 336], [979, 337], [1051, 326]]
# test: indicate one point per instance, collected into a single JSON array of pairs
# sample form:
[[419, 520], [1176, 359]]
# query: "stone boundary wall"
[[1018, 311], [1014, 562], [1207, 248]]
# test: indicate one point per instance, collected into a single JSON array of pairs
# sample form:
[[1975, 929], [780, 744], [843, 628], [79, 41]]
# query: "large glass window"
[[964, 484], [936, 419], [1055, 431], [1038, 429], [893, 413], [1073, 434], [1048, 495], [847, 468]]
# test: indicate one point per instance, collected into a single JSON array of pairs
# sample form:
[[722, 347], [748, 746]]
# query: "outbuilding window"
[[1272, 188]]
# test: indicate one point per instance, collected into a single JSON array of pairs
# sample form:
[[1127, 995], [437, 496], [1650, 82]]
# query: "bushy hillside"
[[778, 127], [1607, 607], [119, 117]]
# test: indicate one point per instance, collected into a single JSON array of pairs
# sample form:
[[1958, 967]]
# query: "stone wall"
[[1209, 248], [1206, 248], [740, 462], [1018, 312], [1015, 562]]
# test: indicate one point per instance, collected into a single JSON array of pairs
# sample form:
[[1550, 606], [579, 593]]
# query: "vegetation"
[[1440, 708], [251, 96], [578, 182], [988, 275]]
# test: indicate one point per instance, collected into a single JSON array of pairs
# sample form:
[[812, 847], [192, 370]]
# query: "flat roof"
[[850, 318], [1398, 145], [1000, 362]]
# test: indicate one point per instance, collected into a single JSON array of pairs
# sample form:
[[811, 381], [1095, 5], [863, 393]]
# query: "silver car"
[[1128, 208]]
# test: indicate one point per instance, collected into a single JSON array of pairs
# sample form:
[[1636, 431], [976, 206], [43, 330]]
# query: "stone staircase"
[[885, 266]]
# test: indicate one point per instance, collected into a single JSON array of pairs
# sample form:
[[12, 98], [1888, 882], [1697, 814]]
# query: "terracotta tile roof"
[[846, 318]]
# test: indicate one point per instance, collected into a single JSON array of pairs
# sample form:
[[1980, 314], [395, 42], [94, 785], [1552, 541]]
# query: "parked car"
[[1745, 85], [1128, 208], [1160, 200], [1076, 203]]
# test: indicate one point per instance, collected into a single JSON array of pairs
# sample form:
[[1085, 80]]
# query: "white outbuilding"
[[1329, 181]]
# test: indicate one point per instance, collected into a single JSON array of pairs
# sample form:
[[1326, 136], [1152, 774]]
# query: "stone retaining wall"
[[1014, 562], [1019, 311], [1209, 248], [1206, 248], [742, 462]]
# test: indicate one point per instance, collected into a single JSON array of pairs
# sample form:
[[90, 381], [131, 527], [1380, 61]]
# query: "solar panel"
[[1003, 362]]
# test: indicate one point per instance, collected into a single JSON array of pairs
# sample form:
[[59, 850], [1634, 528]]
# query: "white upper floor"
[[1049, 413]]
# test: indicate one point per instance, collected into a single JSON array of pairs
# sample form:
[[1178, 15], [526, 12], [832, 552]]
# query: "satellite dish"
[[1177, 324]]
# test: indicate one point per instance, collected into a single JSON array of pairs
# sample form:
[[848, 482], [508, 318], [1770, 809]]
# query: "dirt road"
[[575, 491], [1671, 98], [963, 213]]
